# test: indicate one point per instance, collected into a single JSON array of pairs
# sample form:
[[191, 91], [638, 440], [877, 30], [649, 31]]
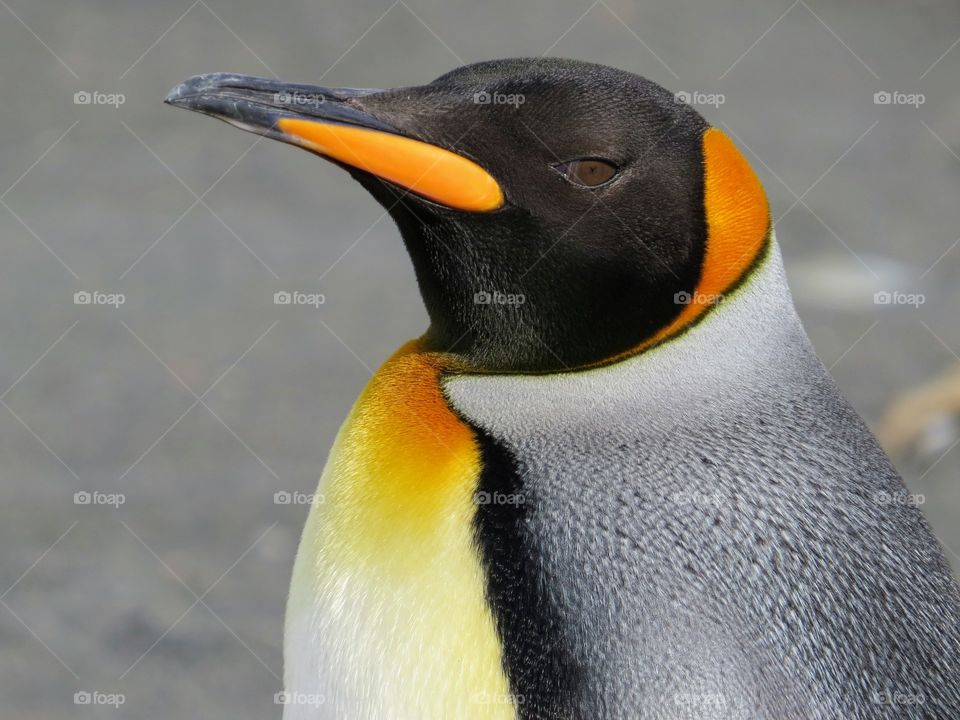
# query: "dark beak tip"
[[180, 92], [175, 94], [197, 85], [256, 104]]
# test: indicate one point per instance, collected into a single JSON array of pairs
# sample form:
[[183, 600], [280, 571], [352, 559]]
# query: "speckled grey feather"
[[720, 534]]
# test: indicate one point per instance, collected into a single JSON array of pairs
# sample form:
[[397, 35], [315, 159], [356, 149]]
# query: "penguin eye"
[[588, 172]]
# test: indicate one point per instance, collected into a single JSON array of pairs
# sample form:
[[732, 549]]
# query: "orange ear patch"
[[738, 224], [738, 216]]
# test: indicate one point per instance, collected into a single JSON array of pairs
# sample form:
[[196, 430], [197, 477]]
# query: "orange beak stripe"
[[427, 170]]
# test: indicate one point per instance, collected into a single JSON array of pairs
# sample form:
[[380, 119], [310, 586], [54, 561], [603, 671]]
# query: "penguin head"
[[559, 214]]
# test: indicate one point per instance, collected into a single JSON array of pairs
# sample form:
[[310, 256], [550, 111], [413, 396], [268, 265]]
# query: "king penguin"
[[612, 479]]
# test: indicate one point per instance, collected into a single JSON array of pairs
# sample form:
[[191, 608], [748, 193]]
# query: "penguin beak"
[[331, 123]]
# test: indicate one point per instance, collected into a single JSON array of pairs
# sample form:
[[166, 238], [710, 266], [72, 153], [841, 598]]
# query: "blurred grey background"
[[198, 399]]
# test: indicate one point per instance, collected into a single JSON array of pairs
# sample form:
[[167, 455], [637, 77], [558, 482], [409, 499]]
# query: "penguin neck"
[[752, 330], [754, 314], [749, 346]]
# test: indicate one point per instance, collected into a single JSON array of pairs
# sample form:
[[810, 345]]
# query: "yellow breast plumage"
[[387, 613]]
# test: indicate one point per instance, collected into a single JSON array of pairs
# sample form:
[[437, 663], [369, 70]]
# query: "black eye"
[[587, 172]]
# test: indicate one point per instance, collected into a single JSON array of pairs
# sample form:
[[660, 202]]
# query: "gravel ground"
[[198, 399]]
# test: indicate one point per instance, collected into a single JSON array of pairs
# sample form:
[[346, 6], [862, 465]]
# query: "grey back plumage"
[[718, 532]]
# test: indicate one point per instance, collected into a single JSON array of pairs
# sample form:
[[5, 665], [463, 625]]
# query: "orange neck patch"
[[407, 464], [738, 229]]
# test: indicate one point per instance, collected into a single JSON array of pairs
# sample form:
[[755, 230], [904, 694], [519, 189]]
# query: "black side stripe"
[[544, 678]]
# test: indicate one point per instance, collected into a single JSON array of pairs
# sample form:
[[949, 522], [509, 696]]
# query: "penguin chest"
[[387, 615]]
